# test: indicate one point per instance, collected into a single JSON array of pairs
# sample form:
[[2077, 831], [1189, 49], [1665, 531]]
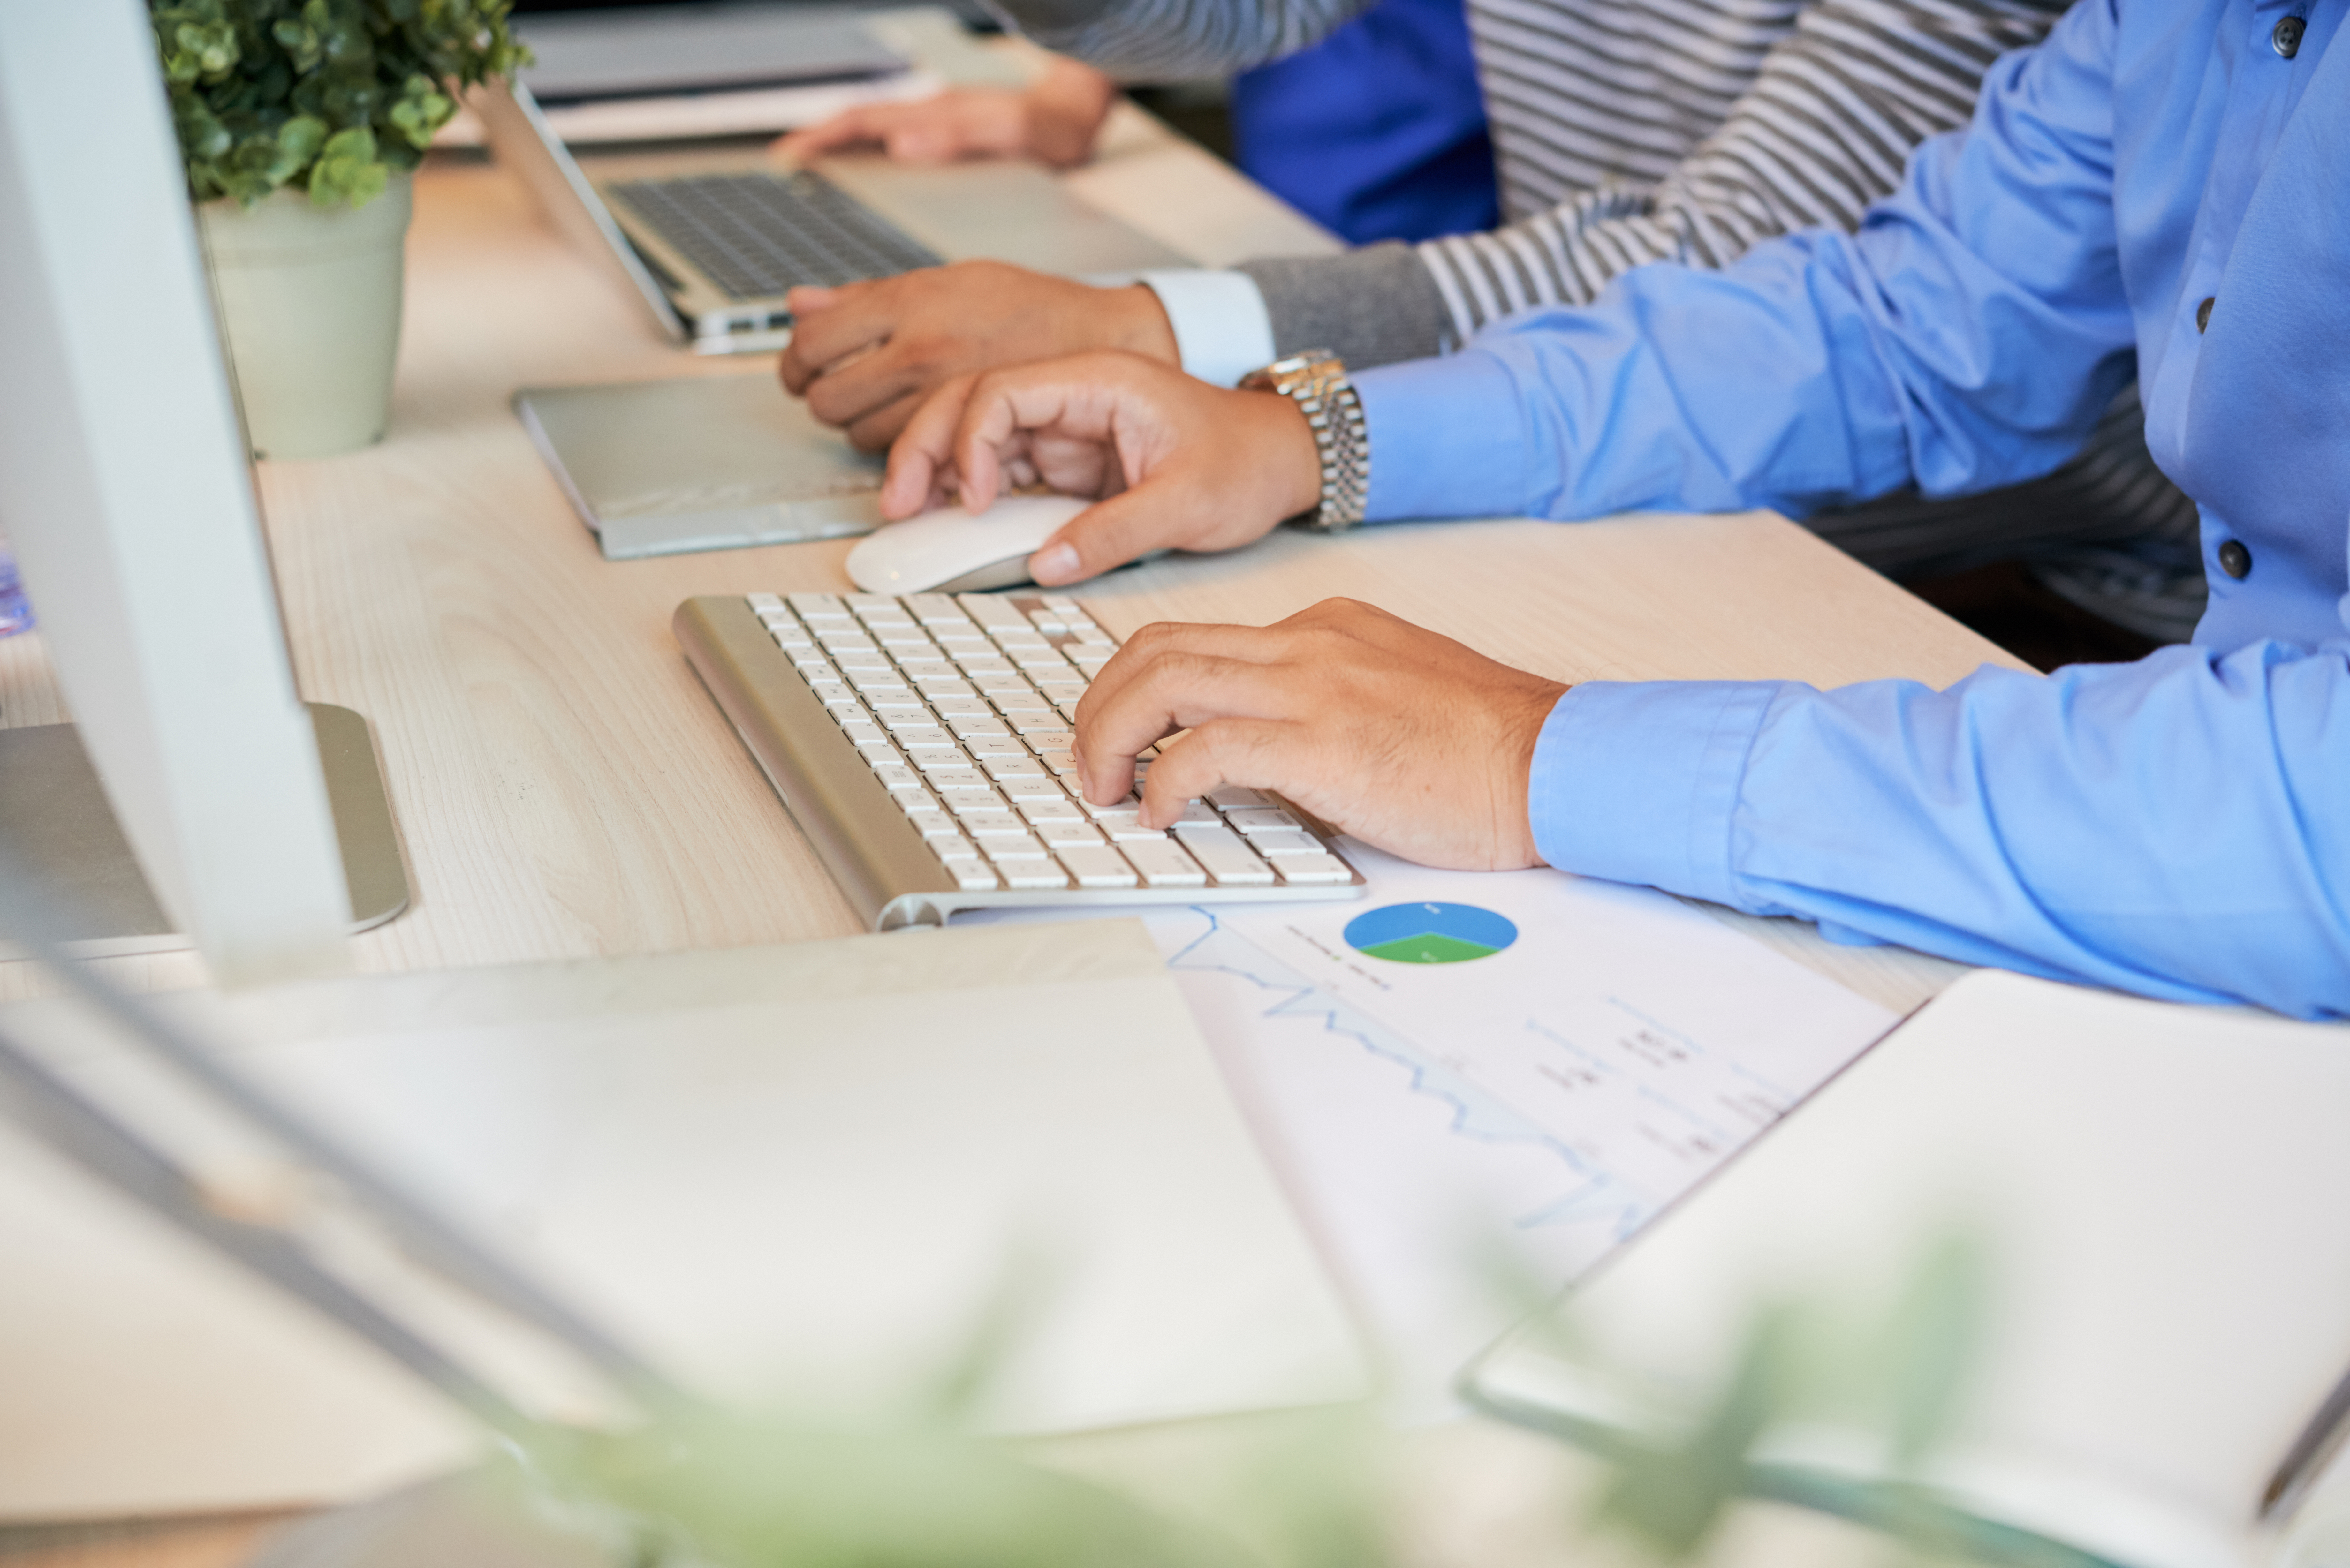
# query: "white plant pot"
[[309, 304]]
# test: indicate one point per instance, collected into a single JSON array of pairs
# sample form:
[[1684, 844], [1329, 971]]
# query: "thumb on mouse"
[[1128, 525]]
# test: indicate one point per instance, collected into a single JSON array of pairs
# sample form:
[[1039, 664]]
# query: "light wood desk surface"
[[565, 788]]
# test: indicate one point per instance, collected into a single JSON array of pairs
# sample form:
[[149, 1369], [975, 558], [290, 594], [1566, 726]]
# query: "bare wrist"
[[1139, 324]]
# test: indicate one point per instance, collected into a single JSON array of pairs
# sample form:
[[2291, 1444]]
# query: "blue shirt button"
[[2285, 38], [2236, 559]]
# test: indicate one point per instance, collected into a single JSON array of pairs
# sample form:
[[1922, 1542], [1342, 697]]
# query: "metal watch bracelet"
[[1316, 381]]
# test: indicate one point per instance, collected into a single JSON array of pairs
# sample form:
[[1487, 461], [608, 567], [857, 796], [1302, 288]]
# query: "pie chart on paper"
[[1430, 933]]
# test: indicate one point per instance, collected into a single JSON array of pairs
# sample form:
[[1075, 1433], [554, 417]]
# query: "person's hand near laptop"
[[1054, 120]]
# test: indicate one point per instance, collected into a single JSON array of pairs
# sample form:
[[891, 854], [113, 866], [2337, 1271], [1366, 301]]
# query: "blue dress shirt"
[[2160, 189]]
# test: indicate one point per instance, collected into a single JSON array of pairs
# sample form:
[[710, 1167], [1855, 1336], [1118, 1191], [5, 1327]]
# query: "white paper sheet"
[[1548, 1099]]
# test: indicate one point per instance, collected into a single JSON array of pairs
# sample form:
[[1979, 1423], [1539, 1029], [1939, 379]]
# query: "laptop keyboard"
[[756, 234], [958, 710]]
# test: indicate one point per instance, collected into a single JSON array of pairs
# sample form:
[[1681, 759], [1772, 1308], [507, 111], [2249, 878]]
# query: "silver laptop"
[[713, 237]]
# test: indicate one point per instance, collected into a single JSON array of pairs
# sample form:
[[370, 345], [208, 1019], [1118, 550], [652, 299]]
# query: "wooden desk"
[[565, 788]]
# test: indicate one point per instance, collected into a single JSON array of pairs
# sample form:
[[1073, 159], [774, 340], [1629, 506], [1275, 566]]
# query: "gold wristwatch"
[[1316, 382]]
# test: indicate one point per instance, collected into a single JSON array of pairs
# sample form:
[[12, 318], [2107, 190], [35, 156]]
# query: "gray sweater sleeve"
[[1371, 306], [1172, 40]]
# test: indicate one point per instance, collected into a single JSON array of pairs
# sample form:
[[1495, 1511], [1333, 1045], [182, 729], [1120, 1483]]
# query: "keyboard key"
[[1004, 745], [960, 784], [1022, 788], [907, 636], [815, 607], [1126, 806], [934, 825], [1061, 762], [879, 754], [991, 827], [1125, 827], [1033, 877], [972, 876], [1231, 797], [811, 664], [763, 601], [978, 664], [836, 696], [1250, 821], [1102, 868], [1074, 832], [899, 720], [1034, 721], [936, 762], [989, 611], [1042, 740], [1273, 845], [1313, 871], [1047, 620], [1000, 768], [963, 803], [1042, 808], [791, 637], [947, 686], [947, 707], [1008, 681], [1227, 860], [1163, 864], [935, 609], [896, 776], [871, 601], [860, 730], [967, 726], [1196, 814], [1006, 848]]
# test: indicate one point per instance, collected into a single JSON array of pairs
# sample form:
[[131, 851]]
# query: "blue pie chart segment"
[[1430, 933]]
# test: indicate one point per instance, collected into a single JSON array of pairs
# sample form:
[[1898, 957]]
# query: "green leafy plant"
[[333, 96]]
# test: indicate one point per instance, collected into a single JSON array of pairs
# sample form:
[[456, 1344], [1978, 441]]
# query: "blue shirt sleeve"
[[2176, 827], [1967, 337]]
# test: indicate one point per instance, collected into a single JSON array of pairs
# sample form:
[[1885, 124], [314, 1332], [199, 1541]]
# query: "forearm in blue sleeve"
[[1967, 337], [2176, 827]]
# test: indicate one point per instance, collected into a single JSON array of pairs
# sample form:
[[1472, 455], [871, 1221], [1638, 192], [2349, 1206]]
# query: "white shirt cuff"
[[1221, 328]]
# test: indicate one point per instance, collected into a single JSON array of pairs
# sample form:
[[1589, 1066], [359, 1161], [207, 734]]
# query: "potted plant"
[[302, 122]]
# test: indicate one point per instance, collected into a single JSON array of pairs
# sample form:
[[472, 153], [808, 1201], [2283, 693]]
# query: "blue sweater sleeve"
[[2176, 827], [1966, 338]]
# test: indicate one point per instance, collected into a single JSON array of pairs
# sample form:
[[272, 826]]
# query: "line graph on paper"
[[1551, 1097]]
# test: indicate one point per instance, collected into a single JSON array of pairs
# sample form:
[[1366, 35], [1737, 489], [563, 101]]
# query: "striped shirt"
[[1628, 131]]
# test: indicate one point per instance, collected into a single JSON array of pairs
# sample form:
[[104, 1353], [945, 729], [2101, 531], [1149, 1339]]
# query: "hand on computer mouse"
[[865, 354], [1175, 463], [1054, 120], [1387, 731]]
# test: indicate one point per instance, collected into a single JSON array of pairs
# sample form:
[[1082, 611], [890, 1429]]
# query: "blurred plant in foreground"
[[710, 1489]]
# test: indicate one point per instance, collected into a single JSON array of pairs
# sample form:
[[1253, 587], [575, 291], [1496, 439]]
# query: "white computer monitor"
[[125, 495]]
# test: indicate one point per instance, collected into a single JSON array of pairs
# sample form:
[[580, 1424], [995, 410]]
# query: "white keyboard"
[[922, 744]]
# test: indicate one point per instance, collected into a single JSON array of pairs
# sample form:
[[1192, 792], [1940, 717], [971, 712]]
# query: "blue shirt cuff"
[[1638, 782], [1448, 439]]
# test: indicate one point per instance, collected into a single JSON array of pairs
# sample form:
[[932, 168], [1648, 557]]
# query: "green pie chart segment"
[[1430, 933]]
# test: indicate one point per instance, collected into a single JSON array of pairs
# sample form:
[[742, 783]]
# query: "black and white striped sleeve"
[[1172, 40], [1821, 131]]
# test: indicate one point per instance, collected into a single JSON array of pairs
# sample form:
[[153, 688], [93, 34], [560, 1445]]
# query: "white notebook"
[[2166, 1191]]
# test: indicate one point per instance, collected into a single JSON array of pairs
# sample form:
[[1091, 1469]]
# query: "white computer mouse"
[[954, 551]]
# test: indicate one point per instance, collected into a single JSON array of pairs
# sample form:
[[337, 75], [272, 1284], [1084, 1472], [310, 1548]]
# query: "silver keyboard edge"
[[875, 855]]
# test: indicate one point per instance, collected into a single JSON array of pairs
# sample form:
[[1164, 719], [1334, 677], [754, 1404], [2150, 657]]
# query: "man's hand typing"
[[1175, 463], [1405, 739]]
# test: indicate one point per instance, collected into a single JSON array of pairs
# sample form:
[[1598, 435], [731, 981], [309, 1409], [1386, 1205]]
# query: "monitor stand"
[[55, 815]]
